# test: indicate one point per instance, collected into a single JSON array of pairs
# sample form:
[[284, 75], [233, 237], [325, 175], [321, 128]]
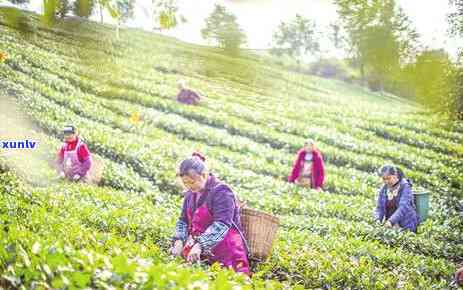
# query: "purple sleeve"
[[404, 205], [85, 166], [380, 210], [183, 216], [223, 205]]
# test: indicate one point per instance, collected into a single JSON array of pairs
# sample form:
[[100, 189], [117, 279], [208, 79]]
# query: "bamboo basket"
[[96, 171], [259, 230]]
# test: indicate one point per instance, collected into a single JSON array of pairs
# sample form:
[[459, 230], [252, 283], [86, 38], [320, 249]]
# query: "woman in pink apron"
[[74, 160], [209, 227]]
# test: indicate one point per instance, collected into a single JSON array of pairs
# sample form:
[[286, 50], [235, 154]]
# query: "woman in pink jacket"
[[308, 168]]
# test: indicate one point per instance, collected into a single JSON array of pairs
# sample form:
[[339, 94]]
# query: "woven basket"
[[305, 181], [96, 171], [259, 230]]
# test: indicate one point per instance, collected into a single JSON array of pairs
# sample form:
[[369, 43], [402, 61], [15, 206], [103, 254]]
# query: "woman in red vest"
[[308, 168]]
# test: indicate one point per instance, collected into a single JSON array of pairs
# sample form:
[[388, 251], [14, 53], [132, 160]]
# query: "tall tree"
[[84, 8], [63, 7], [296, 38], [55, 8], [367, 21], [49, 11], [124, 10], [456, 17], [106, 5], [166, 15], [337, 35], [434, 79], [380, 50], [222, 28], [456, 27]]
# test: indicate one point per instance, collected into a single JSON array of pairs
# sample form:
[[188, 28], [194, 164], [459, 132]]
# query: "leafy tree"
[[63, 7], [433, 71], [123, 11], [337, 35], [456, 28], [380, 50], [296, 38], [49, 11], [372, 23], [107, 5], [222, 27], [166, 14], [84, 8], [456, 17]]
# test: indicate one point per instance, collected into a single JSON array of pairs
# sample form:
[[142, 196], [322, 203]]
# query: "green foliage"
[[49, 11], [63, 7], [166, 14], [124, 9], [15, 18], [434, 81], [380, 35], [222, 27], [73, 235], [296, 38], [84, 8], [456, 17], [456, 27]]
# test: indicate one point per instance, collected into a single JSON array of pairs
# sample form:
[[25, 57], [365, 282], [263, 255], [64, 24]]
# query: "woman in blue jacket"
[[395, 206]]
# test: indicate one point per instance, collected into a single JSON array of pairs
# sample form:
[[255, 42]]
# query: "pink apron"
[[71, 163], [230, 252]]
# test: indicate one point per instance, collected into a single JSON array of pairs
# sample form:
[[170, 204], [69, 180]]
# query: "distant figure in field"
[[395, 206], [308, 168], [74, 159], [209, 227], [187, 96]]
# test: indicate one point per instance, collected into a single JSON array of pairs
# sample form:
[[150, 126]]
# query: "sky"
[[260, 18]]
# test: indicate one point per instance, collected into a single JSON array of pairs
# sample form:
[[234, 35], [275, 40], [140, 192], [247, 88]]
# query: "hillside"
[[253, 119]]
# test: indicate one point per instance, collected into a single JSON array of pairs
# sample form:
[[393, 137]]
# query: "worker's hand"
[[76, 177], [318, 189], [177, 249], [459, 277], [62, 175], [388, 224], [195, 253]]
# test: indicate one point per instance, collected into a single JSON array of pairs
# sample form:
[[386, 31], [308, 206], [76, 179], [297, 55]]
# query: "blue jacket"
[[405, 215]]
